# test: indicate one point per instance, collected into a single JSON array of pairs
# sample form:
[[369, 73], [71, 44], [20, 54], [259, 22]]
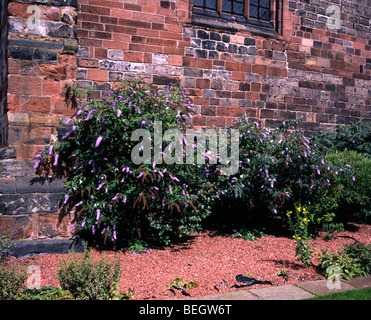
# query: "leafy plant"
[[12, 280], [248, 234], [356, 137], [298, 223], [355, 197], [46, 293], [178, 282], [6, 245], [89, 279], [353, 260], [331, 229], [304, 251], [138, 247], [278, 169], [116, 197]]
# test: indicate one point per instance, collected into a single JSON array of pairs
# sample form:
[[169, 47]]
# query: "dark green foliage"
[[89, 279], [117, 198], [356, 137], [355, 199], [12, 280], [353, 260], [279, 170]]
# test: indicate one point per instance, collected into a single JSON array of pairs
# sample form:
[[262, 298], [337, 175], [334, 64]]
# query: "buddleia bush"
[[119, 197], [279, 170]]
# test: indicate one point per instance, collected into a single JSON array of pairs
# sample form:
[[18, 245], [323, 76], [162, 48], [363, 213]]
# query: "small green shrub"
[[6, 244], [248, 234], [89, 279], [138, 246], [353, 260], [12, 280], [355, 198]]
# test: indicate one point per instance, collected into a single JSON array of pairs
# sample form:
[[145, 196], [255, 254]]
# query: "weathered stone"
[[8, 153], [31, 185], [38, 203], [50, 246], [13, 204]]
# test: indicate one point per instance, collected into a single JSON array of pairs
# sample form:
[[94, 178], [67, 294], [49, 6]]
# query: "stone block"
[[16, 168], [23, 53], [8, 153], [11, 204], [38, 203], [31, 185], [50, 226], [18, 226], [49, 246], [7, 185]]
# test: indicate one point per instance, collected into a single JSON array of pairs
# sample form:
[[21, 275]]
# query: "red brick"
[[259, 69], [13, 102], [133, 56], [57, 72], [24, 85], [256, 87], [104, 11], [35, 104], [278, 72], [215, 121], [204, 63], [203, 83], [238, 76], [97, 74], [232, 66], [99, 53], [18, 10], [175, 60], [230, 111], [201, 101], [198, 121], [51, 87]]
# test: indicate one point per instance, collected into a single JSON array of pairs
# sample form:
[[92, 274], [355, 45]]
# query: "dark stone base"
[[34, 247]]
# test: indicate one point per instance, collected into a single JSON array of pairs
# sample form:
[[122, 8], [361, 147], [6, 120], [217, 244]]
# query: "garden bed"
[[211, 260]]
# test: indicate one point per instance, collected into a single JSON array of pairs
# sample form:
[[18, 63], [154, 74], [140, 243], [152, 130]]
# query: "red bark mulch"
[[210, 260]]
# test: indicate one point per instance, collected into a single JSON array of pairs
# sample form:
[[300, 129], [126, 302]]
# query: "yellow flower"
[[306, 220], [296, 237]]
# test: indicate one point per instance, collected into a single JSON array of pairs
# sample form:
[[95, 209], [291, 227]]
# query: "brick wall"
[[319, 74], [41, 59], [3, 70], [312, 69]]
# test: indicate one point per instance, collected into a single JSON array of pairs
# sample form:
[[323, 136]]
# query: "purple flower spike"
[[98, 142], [36, 164], [56, 159], [98, 214], [50, 150]]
